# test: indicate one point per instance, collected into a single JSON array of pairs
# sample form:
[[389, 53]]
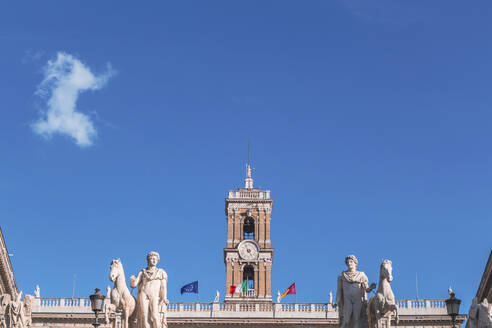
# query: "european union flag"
[[190, 288]]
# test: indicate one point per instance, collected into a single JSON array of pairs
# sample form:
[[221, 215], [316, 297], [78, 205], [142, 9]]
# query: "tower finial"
[[248, 182]]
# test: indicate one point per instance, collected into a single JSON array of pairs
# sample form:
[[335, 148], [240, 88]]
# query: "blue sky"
[[369, 122]]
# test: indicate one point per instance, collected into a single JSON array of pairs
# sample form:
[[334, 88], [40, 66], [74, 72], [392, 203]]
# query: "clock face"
[[248, 250]]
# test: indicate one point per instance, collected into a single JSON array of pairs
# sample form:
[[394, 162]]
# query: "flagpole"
[[295, 284]]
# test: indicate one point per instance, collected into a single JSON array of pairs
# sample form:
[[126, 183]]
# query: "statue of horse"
[[383, 303], [121, 297]]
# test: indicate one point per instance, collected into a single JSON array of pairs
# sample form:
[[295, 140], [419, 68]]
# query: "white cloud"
[[64, 79]]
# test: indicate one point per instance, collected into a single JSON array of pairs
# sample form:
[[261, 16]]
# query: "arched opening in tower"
[[249, 228], [249, 276]]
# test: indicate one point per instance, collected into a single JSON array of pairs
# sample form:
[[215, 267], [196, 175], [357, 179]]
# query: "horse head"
[[386, 271], [116, 269]]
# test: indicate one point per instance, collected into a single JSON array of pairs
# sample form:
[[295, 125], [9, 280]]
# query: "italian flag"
[[233, 289], [290, 290]]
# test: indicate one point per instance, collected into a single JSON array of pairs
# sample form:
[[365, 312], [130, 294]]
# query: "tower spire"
[[248, 182]]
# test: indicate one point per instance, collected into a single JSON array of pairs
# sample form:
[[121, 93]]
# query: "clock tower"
[[248, 254]]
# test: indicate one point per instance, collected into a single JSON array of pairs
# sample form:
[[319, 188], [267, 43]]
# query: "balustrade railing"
[[256, 194], [62, 305], [251, 309]]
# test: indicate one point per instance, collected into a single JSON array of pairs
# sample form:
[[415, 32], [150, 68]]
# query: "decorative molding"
[[232, 257], [264, 256], [260, 206], [8, 284], [485, 287], [244, 263]]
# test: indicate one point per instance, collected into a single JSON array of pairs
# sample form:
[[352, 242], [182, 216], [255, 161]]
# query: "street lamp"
[[453, 307], [97, 302]]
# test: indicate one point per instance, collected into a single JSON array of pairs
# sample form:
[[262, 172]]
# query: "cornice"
[[7, 279], [430, 319], [484, 289], [248, 200], [406, 320]]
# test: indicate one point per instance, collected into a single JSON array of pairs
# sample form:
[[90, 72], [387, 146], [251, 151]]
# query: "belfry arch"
[[249, 228], [249, 277]]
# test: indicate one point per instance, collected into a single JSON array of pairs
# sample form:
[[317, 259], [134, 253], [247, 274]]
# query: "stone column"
[[267, 232], [230, 233], [268, 279], [241, 228], [229, 276], [257, 227], [257, 280], [237, 230], [261, 228]]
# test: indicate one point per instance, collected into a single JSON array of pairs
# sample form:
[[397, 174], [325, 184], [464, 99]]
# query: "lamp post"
[[453, 307], [97, 302]]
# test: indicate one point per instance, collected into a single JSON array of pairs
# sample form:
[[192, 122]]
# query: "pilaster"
[[261, 279], [257, 282], [230, 227], [268, 279]]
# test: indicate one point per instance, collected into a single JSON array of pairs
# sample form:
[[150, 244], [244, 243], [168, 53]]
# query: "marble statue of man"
[[15, 311], [473, 314], [26, 317], [152, 294], [484, 315], [351, 298], [279, 298]]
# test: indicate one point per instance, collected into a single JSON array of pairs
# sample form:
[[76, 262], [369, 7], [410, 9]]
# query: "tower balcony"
[[249, 194]]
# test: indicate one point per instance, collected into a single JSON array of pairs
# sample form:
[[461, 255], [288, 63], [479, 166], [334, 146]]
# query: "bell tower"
[[248, 255]]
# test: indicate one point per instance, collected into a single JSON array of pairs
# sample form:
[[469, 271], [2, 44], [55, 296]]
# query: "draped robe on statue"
[[352, 299]]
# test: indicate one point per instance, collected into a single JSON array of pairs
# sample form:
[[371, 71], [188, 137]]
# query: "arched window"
[[249, 276], [249, 228]]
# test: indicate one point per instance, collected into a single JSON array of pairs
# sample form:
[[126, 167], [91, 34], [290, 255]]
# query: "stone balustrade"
[[61, 305], [250, 194], [235, 310], [422, 307]]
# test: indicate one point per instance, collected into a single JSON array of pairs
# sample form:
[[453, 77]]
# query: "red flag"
[[232, 289], [290, 290]]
